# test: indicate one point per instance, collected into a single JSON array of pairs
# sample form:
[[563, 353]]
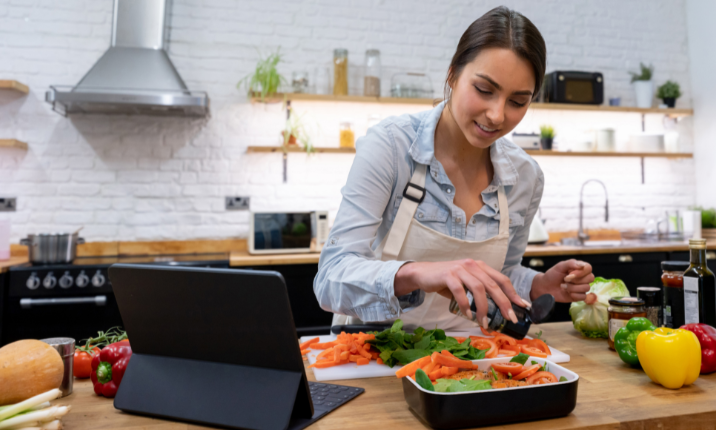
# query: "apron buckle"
[[412, 196]]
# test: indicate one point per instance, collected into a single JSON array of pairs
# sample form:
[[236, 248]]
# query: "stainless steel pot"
[[52, 248]]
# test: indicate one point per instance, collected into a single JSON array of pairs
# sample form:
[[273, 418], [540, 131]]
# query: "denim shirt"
[[351, 279]]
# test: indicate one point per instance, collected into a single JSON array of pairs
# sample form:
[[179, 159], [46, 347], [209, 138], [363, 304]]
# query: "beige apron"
[[408, 240]]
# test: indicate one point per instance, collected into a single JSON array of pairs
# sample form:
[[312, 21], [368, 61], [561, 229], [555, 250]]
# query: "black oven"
[[573, 87]]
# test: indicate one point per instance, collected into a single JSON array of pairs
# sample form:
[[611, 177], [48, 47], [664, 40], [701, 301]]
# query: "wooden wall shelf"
[[12, 143], [265, 149], [14, 85], [539, 106]]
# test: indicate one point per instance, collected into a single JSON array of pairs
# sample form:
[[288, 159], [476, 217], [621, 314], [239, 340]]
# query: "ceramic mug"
[[605, 140]]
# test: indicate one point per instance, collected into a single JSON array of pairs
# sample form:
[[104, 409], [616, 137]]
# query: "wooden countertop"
[[243, 258], [13, 261], [611, 396]]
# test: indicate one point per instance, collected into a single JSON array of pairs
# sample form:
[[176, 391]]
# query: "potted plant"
[[265, 80], [295, 133], [546, 133], [643, 85], [708, 223], [669, 92]]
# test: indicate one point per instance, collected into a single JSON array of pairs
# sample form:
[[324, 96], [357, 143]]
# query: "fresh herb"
[[644, 74], [454, 386], [562, 379], [398, 347], [543, 368], [494, 375], [670, 89], [422, 379], [520, 358], [546, 132], [265, 80], [509, 375], [104, 338]]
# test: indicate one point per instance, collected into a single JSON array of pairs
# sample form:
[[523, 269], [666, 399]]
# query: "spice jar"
[[672, 278], [347, 139], [621, 310], [652, 303], [65, 346], [371, 80], [340, 72]]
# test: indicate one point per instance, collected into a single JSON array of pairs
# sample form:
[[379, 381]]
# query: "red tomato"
[[539, 344], [527, 372], [534, 352], [82, 363], [542, 378], [513, 368]]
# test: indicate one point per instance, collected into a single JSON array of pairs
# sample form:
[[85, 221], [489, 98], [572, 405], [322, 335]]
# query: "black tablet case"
[[210, 346]]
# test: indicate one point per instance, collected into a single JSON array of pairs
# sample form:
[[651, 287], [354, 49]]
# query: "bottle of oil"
[[699, 287]]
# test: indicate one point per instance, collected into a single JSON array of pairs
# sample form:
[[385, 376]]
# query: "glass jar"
[[653, 303], [411, 85], [371, 80], [299, 81], [347, 139], [340, 72], [621, 310], [672, 278], [322, 80]]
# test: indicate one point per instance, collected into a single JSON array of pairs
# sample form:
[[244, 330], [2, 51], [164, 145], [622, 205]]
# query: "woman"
[[400, 250]]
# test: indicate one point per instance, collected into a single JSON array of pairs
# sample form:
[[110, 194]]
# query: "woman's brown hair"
[[500, 28]]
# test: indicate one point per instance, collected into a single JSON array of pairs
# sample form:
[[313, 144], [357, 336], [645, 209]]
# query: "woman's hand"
[[450, 278], [568, 281]]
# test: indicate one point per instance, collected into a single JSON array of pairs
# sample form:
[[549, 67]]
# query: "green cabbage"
[[593, 320]]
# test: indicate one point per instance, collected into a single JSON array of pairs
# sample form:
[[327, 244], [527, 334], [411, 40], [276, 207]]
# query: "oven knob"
[[33, 282], [66, 280], [50, 281], [82, 280], [98, 279]]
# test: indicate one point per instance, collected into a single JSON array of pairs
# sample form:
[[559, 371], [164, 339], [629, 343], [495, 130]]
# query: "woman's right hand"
[[448, 279]]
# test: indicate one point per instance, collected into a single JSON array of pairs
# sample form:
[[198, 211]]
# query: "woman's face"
[[491, 95]]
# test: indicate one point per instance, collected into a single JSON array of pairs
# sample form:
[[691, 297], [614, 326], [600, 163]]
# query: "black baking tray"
[[492, 407]]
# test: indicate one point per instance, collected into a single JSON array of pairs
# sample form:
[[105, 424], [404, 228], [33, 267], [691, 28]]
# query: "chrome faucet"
[[581, 234]]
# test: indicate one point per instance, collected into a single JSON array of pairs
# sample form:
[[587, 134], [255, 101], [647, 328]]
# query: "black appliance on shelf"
[[74, 299], [573, 87]]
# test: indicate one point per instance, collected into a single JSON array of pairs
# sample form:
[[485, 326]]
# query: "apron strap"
[[504, 211], [413, 195]]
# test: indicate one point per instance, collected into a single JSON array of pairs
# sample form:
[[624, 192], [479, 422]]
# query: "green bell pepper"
[[625, 339]]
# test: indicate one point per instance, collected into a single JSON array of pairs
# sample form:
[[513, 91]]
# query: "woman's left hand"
[[568, 281]]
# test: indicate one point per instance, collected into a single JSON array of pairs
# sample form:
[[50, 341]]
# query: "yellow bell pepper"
[[671, 357]]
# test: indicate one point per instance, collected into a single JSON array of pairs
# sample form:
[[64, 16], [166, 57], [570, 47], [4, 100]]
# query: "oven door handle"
[[96, 300]]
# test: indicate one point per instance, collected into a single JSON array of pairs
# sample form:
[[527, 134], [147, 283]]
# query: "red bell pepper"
[[108, 368], [707, 338]]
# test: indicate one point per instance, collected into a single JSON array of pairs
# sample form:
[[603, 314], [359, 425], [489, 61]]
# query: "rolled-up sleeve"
[[351, 279], [520, 276]]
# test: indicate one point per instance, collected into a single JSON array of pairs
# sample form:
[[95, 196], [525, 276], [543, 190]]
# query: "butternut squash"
[[28, 368]]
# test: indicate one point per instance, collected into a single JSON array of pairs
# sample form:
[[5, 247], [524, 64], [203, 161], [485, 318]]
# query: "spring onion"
[[29, 404], [52, 425], [33, 418]]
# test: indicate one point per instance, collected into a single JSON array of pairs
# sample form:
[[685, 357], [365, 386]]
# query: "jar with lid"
[[371, 80], [672, 278], [347, 139], [621, 310], [653, 303], [340, 72]]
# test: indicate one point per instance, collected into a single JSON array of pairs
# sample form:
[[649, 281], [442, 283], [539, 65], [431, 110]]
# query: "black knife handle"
[[357, 328]]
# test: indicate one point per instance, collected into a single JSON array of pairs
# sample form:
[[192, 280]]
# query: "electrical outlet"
[[8, 204], [234, 203]]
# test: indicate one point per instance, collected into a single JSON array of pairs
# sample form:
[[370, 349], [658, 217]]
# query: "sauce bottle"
[[699, 287]]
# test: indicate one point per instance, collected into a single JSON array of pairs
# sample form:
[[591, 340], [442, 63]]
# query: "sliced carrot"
[[362, 361], [438, 358], [305, 351], [428, 368], [366, 347], [323, 364], [447, 371], [308, 343], [534, 352], [364, 353], [410, 368], [436, 373], [379, 360], [447, 353], [324, 345], [354, 358], [344, 355], [324, 353]]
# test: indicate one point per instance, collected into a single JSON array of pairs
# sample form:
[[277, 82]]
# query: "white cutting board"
[[375, 370]]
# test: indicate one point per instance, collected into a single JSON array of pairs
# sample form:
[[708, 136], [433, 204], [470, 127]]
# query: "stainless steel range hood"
[[135, 75]]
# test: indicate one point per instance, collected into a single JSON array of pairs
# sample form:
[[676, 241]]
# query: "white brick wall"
[[165, 178]]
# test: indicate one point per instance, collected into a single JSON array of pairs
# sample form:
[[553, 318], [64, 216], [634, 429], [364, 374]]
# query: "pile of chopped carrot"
[[345, 349], [437, 365], [502, 345]]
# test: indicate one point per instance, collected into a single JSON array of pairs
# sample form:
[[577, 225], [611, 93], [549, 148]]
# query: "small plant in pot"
[[643, 85], [265, 80], [295, 134], [669, 92], [546, 133], [708, 223]]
